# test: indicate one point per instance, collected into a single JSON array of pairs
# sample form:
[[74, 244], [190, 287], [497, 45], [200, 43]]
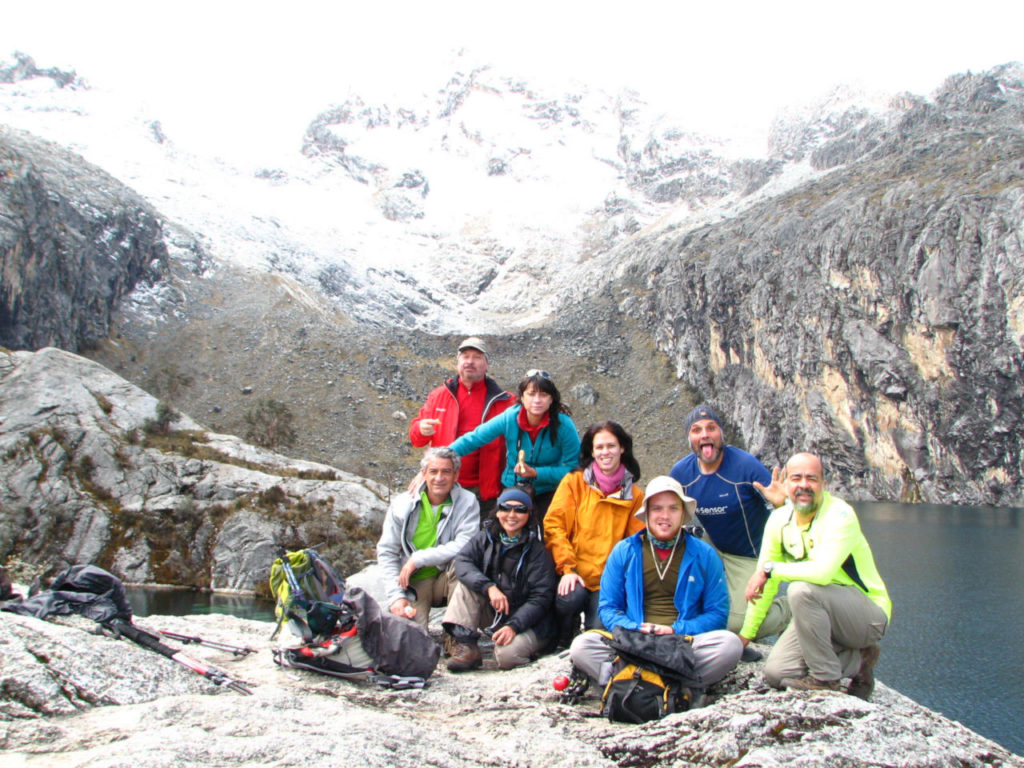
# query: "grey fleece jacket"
[[456, 527]]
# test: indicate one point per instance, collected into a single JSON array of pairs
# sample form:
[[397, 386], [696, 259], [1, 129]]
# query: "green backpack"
[[309, 596]]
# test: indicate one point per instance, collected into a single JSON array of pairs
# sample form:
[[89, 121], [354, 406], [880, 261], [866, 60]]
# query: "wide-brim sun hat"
[[661, 484]]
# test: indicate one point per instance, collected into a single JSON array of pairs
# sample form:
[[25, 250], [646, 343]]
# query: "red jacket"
[[492, 455]]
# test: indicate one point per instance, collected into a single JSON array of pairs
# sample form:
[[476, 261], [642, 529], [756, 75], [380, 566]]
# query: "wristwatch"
[[768, 567]]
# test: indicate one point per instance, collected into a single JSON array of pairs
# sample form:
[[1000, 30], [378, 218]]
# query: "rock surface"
[[73, 242], [872, 315], [94, 470], [71, 698]]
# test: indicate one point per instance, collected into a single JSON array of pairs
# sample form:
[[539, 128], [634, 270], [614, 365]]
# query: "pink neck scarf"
[[608, 484]]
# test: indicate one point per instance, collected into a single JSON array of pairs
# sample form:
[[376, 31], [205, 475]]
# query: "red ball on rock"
[[561, 683]]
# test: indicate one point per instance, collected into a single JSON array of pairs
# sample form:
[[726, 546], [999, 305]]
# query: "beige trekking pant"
[[831, 623], [474, 612], [738, 571], [432, 593]]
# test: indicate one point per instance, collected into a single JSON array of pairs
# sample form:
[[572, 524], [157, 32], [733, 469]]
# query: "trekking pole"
[[234, 650], [148, 640], [293, 582]]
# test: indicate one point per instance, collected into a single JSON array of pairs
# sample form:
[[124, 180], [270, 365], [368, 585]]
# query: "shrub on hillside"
[[270, 424]]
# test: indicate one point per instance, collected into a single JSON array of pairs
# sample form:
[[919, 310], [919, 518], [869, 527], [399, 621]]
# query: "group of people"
[[570, 542]]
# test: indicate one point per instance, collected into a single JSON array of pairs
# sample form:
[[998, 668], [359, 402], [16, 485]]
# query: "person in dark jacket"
[[506, 583]]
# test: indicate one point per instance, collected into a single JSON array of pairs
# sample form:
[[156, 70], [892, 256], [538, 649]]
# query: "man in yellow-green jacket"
[[840, 605]]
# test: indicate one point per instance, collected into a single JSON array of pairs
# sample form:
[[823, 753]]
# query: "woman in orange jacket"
[[592, 510]]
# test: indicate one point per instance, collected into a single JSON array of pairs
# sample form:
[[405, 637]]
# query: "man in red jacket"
[[461, 405]]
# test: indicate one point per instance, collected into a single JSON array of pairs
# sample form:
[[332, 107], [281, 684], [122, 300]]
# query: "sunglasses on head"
[[537, 372], [522, 510]]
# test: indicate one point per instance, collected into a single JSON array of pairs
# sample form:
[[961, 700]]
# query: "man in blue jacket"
[[729, 486], [662, 581]]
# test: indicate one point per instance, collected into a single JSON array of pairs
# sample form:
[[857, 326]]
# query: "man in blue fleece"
[[729, 486], [663, 581]]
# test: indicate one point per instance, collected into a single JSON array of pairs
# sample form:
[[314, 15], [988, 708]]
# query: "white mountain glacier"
[[478, 207]]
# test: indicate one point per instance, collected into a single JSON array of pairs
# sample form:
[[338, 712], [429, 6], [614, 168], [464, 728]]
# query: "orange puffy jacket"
[[582, 525]]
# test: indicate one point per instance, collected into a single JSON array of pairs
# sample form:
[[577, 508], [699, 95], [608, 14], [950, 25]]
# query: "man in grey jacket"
[[423, 533]]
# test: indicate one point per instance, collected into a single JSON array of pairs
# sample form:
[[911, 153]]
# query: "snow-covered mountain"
[[475, 208], [855, 292]]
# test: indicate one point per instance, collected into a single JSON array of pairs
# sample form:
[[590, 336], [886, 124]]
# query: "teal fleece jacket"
[[552, 462]]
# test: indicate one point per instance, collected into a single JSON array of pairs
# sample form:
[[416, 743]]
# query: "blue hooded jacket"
[[701, 597]]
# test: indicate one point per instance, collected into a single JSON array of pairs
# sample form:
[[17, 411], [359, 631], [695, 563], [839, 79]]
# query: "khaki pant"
[[738, 571], [432, 593], [473, 611], [831, 623]]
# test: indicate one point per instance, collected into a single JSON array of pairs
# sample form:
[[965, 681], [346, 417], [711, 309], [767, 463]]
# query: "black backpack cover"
[[653, 676]]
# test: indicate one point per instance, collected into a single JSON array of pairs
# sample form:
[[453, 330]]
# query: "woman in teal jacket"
[[540, 438]]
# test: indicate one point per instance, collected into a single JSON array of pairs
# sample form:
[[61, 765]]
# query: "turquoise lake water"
[[956, 578]]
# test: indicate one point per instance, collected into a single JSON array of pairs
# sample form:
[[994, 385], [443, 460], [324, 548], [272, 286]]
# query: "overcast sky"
[[726, 68]]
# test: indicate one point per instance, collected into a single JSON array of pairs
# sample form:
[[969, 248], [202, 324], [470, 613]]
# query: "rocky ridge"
[[873, 314], [96, 471], [900, 249], [434, 213], [77, 699], [24, 68], [899, 354], [480, 157], [73, 242]]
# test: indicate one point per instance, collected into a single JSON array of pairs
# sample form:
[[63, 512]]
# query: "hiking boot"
[[449, 644], [863, 683], [809, 683], [467, 656], [578, 686]]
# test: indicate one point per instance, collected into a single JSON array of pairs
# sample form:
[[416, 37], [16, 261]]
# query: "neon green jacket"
[[836, 553]]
